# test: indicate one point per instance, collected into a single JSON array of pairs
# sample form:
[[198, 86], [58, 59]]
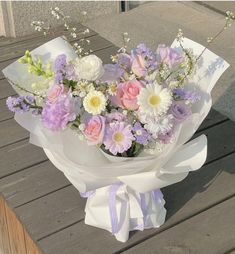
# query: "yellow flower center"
[[95, 101], [154, 100], [118, 137]]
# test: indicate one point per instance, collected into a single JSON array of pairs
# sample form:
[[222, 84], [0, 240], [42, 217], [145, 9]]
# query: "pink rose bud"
[[94, 130], [54, 93]]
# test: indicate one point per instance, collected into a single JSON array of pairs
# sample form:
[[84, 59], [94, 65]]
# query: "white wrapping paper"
[[88, 169]]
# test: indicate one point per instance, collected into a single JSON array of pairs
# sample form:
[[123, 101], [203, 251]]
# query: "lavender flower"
[[141, 135], [180, 111], [118, 137], [183, 94], [60, 63], [20, 104], [57, 115]]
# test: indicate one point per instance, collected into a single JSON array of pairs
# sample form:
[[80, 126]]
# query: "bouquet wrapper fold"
[[124, 195]]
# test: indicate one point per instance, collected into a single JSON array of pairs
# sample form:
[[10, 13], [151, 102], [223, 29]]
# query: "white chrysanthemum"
[[154, 100], [94, 102], [159, 125]]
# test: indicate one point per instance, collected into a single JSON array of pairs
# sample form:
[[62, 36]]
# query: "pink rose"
[[127, 93], [54, 93], [138, 66], [94, 130]]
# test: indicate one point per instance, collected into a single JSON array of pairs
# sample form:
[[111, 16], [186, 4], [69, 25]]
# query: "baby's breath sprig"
[[35, 66], [230, 17], [126, 40], [39, 26]]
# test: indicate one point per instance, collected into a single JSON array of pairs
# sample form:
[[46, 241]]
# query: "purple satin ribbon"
[[112, 207], [156, 195], [87, 194]]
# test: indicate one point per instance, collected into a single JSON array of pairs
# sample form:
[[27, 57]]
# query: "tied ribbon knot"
[[155, 194]]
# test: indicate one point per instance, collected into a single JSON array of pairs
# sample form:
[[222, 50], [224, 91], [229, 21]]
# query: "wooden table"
[[41, 212]]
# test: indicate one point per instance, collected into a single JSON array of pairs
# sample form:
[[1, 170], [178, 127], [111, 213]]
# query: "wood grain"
[[16, 233], [208, 232], [31, 183], [19, 156], [4, 235]]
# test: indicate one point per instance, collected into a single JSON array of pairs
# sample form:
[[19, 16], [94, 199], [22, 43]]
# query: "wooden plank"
[[5, 89], [11, 132], [35, 36], [221, 140], [16, 233], [200, 190], [44, 216], [4, 236], [212, 231], [5, 113], [18, 50], [214, 117], [31, 183], [13, 157]]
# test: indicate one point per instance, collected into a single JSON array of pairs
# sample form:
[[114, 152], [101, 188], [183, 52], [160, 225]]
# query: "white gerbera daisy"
[[94, 102], [154, 100]]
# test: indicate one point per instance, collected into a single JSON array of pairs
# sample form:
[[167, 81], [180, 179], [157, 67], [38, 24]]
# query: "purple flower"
[[60, 63], [180, 111], [118, 137], [143, 60], [167, 137], [70, 72], [112, 72], [168, 55], [141, 134], [183, 94], [142, 49], [20, 104], [115, 116], [57, 115], [124, 61]]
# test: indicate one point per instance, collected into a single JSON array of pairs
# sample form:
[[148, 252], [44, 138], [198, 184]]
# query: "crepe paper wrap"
[[119, 186], [119, 209]]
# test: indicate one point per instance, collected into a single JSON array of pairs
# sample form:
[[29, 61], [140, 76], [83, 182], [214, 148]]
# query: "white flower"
[[94, 102], [157, 125], [154, 100], [89, 67]]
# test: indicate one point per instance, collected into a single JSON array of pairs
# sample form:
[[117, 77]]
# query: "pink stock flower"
[[139, 66], [94, 130], [127, 93], [54, 93], [168, 55]]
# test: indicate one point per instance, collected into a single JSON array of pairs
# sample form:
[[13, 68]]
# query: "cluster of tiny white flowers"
[[230, 16], [180, 35], [126, 40], [39, 26]]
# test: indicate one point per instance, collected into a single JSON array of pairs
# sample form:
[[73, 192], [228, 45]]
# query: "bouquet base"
[[119, 209]]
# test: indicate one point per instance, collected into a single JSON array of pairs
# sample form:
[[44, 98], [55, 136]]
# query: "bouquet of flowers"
[[118, 131]]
